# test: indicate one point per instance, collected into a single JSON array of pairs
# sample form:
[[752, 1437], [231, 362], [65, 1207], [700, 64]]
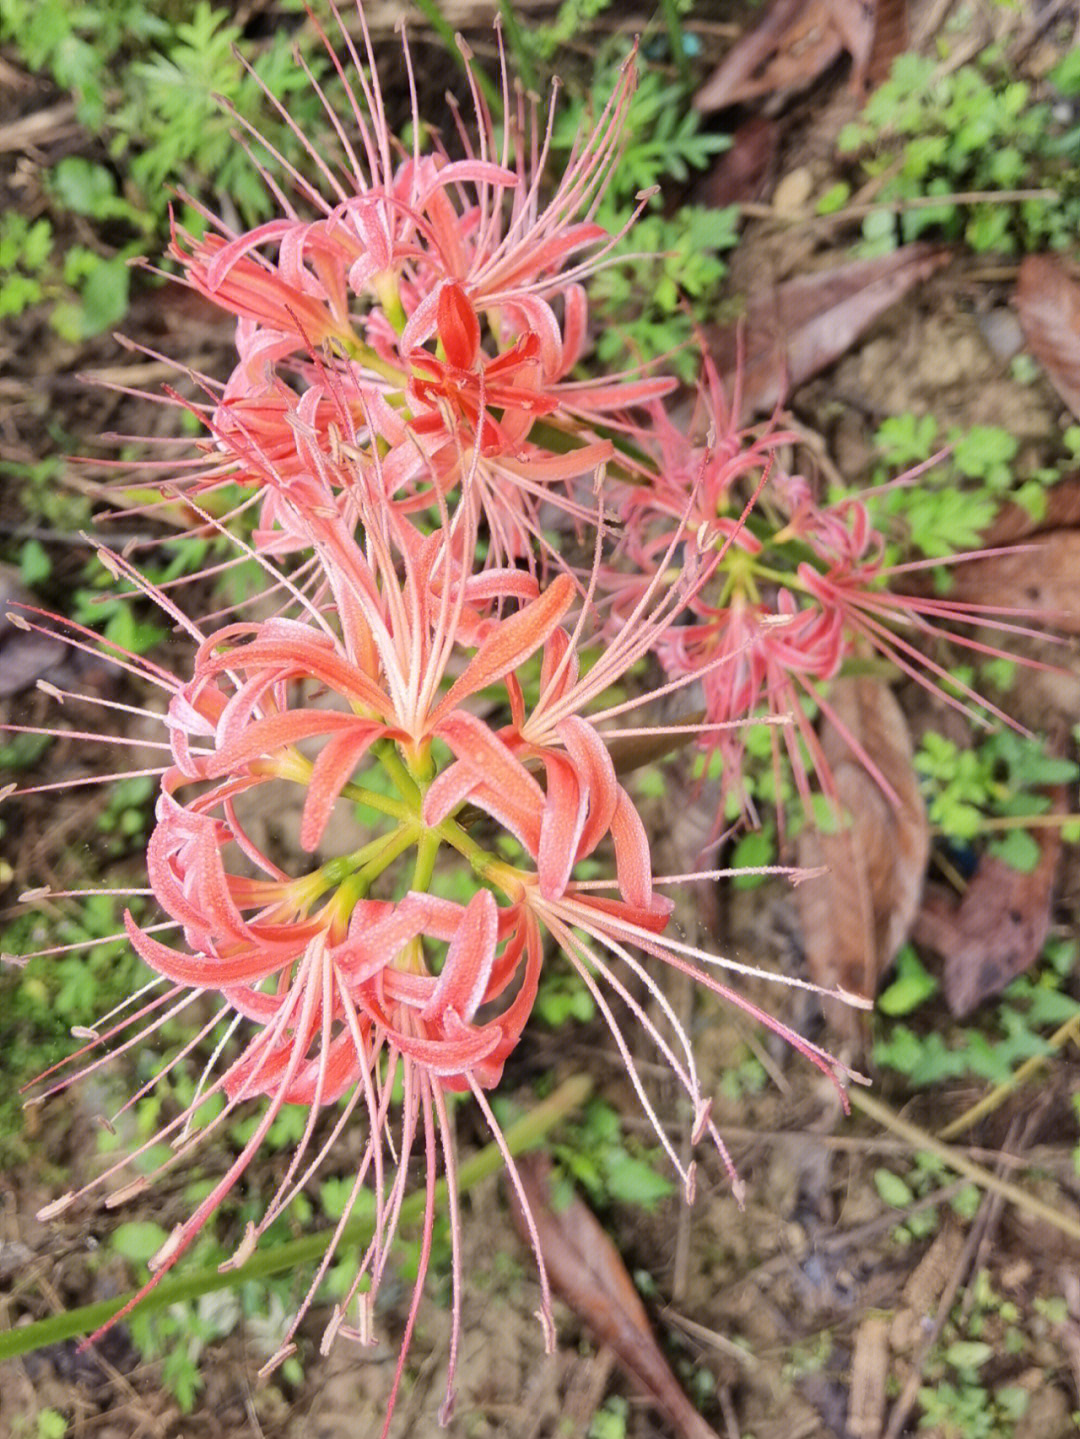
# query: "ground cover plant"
[[439, 605]]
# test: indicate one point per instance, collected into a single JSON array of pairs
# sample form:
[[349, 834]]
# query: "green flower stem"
[[386, 753], [383, 803], [427, 847], [395, 845], [677, 41], [353, 348], [337, 871], [463, 842], [525, 1133]]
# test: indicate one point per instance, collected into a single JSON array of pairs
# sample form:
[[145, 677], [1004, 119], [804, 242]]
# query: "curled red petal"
[[331, 772], [462, 985], [459, 329], [510, 644]]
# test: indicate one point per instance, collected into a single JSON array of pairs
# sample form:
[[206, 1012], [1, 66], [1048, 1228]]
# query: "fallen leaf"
[[25, 655], [856, 21], [796, 41], [1038, 577], [587, 1272], [890, 39], [856, 916], [632, 752], [869, 1375], [1047, 300], [795, 330], [997, 930], [744, 171], [1013, 522]]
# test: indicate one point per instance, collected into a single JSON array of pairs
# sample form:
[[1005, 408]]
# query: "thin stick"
[[997, 1096], [523, 1134], [918, 1138]]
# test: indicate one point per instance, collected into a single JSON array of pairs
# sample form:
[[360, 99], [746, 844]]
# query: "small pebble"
[[793, 192]]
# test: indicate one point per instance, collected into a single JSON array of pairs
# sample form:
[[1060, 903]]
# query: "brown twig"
[[985, 1221], [920, 1138], [54, 123]]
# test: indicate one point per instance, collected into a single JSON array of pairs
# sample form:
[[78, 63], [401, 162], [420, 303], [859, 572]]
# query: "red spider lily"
[[419, 309], [787, 589], [391, 232], [328, 993], [563, 822], [332, 988], [466, 386]]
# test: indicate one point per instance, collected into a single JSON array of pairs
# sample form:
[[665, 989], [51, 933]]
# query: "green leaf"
[[752, 851], [907, 439], [105, 296], [1018, 849], [912, 986], [51, 1424], [892, 1189], [968, 1354], [634, 1181], [1065, 75], [18, 293], [34, 563], [834, 198], [138, 1240], [82, 186]]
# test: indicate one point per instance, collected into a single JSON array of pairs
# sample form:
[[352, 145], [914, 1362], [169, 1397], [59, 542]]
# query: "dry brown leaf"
[[1012, 522], [587, 1272], [998, 929], [1040, 577], [857, 915], [890, 39], [794, 43], [793, 331], [1047, 301], [631, 752], [25, 655], [869, 1376], [744, 171], [856, 21]]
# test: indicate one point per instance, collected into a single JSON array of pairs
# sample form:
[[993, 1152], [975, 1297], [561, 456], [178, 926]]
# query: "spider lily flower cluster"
[[792, 588], [403, 414]]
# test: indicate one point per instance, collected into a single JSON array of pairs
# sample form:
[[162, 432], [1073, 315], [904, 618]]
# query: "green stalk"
[[427, 849], [677, 42], [395, 847], [525, 1133], [386, 752], [382, 803]]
